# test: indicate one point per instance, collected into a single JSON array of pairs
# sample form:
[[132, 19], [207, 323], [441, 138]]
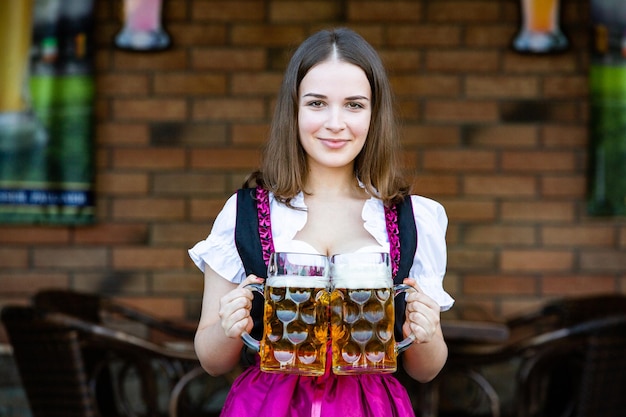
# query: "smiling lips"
[[334, 143]]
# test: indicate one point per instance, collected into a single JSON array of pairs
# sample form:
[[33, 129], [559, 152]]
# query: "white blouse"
[[218, 250]]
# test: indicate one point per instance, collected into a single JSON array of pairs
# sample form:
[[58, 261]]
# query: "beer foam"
[[361, 276], [296, 281]]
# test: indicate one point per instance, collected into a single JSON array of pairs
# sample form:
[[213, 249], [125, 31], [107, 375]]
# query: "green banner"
[[46, 150], [607, 82]]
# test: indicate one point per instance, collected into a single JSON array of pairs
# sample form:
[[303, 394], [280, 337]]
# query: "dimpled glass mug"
[[295, 318], [363, 313]]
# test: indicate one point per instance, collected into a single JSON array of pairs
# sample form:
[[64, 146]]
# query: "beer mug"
[[363, 313], [295, 318]]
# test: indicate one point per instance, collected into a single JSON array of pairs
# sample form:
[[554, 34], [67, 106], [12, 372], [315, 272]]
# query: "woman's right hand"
[[235, 308]]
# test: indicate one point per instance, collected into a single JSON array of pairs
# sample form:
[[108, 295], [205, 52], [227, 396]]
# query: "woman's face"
[[334, 112]]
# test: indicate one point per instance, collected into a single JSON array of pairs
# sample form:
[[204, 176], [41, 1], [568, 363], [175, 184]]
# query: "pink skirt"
[[262, 394]]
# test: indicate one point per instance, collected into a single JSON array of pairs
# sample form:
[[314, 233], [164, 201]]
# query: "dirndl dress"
[[263, 394]]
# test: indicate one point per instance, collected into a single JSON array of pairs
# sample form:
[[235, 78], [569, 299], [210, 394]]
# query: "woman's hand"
[[422, 314], [235, 308]]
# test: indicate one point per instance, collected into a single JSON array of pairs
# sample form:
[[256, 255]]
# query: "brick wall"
[[499, 138]]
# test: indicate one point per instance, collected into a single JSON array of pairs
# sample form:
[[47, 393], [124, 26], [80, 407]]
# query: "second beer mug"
[[295, 315], [363, 314]]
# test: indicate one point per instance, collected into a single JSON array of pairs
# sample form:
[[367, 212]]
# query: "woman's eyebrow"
[[351, 98]]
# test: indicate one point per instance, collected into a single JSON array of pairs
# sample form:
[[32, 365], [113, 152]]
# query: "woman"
[[330, 171]]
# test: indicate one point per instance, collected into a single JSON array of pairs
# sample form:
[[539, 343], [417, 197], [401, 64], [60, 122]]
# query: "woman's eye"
[[316, 103], [354, 105]]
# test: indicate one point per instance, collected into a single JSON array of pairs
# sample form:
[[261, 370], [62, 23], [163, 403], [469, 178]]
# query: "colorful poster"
[[46, 140], [607, 147]]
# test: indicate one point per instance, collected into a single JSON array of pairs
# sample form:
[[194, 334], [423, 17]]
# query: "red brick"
[[109, 85], [538, 260], [228, 10], [187, 183], [191, 84], [566, 86], [177, 283], [175, 59], [418, 134], [463, 61], [503, 136], [304, 11], [564, 186], [376, 11], [28, 282], [542, 211], [468, 210], [579, 236], [111, 234], [603, 261], [13, 257], [144, 257], [424, 35], [150, 109], [122, 184], [247, 59], [471, 259], [256, 83], [463, 11], [436, 185], [24, 235], [397, 61], [537, 161], [70, 257], [148, 209], [263, 35], [464, 161], [461, 111], [226, 158], [499, 285], [431, 85], [577, 285], [207, 210], [502, 186], [198, 34], [493, 35], [502, 87], [563, 136], [150, 158], [228, 109], [498, 235], [122, 134], [250, 134]]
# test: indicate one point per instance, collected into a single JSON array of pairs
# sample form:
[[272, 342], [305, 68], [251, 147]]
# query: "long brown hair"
[[284, 167]]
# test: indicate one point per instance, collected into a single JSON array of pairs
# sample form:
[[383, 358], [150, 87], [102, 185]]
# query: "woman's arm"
[[428, 353], [225, 315]]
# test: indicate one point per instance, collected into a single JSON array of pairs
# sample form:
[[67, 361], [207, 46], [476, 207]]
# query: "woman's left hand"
[[422, 314]]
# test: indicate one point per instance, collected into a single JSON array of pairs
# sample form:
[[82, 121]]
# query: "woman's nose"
[[335, 121]]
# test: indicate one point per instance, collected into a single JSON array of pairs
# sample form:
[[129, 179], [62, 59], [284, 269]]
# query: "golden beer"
[[295, 314], [296, 327], [16, 18], [362, 314]]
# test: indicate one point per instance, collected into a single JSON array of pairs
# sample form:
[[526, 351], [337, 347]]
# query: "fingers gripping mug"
[[295, 314], [362, 314]]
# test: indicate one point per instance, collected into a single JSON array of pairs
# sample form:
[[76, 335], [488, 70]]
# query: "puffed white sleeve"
[[218, 250], [429, 264]]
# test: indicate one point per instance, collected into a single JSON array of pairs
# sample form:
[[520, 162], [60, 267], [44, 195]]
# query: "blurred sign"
[[46, 126], [607, 78]]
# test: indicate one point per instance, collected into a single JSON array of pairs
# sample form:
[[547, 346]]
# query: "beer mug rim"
[[303, 264]]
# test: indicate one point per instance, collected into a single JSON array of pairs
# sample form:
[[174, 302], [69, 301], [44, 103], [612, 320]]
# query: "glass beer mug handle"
[[404, 344], [248, 340]]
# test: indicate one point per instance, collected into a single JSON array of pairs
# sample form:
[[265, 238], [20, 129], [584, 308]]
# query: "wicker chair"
[[78, 366], [555, 350]]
